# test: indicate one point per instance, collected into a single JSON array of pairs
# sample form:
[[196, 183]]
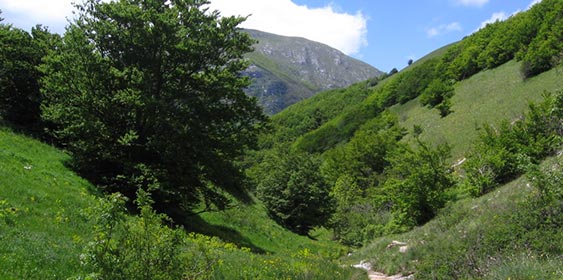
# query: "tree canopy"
[[20, 54], [147, 94], [293, 190]]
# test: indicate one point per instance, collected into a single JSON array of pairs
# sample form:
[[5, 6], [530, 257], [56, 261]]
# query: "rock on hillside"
[[285, 70]]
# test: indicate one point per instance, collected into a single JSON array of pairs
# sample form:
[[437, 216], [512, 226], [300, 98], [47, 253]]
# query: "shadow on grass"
[[196, 224]]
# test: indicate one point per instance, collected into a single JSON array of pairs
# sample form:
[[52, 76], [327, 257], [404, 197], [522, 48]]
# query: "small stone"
[[403, 249]]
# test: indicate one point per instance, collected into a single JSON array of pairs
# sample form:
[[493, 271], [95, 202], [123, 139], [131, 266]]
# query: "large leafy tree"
[[147, 94], [294, 191]]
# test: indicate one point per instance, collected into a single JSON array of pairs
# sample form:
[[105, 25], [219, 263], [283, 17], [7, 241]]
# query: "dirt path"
[[380, 276], [373, 275]]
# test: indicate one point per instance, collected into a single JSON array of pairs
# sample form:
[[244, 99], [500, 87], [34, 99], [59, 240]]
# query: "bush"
[[545, 210], [438, 94], [503, 154], [416, 183], [355, 172], [140, 248], [539, 58]]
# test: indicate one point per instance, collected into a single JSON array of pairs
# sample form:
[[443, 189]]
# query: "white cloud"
[[39, 10], [475, 3], [343, 31], [443, 29], [27, 13], [533, 3], [500, 16]]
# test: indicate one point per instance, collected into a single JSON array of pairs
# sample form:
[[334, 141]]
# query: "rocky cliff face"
[[285, 70]]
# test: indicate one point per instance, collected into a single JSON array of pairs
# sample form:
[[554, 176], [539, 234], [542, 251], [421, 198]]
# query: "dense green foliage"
[[375, 184], [293, 190], [385, 186], [533, 37], [355, 171], [148, 95], [20, 54], [143, 248], [416, 184]]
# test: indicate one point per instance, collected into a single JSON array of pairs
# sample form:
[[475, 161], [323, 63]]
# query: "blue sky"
[[385, 34], [400, 30]]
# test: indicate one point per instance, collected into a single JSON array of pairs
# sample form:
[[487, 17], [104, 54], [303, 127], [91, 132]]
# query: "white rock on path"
[[378, 275]]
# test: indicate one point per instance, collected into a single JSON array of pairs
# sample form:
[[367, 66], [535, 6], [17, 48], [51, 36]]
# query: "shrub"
[[416, 183], [503, 154], [141, 248], [438, 94]]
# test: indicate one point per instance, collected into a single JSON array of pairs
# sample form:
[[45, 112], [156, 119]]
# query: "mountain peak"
[[285, 70]]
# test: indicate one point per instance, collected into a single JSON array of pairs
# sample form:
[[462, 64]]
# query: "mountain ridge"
[[285, 70]]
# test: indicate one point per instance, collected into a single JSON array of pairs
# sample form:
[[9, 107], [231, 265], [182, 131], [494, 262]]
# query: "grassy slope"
[[341, 127], [281, 254], [43, 228], [40, 199], [462, 224], [487, 97], [460, 233]]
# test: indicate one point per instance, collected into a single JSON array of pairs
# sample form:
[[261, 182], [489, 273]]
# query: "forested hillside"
[[157, 165], [392, 152]]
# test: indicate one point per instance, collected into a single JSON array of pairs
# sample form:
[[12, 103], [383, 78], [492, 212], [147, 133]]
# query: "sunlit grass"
[[486, 98], [470, 239], [43, 230]]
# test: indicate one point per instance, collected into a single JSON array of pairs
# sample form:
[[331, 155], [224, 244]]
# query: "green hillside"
[[45, 226], [486, 98], [526, 38], [41, 211], [495, 236], [408, 152], [448, 169]]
